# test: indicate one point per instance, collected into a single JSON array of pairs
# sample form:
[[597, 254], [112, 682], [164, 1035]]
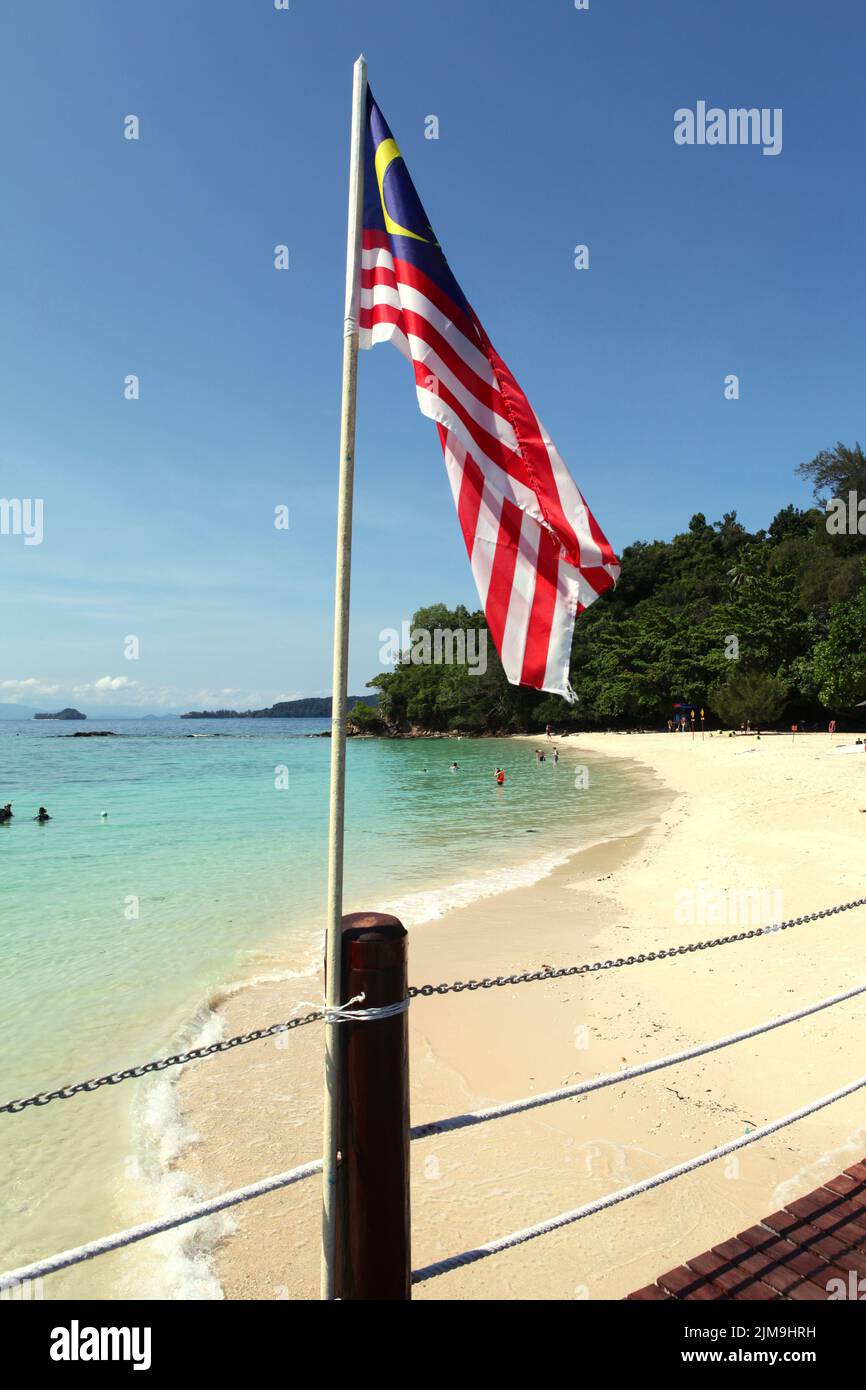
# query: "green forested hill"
[[768, 626]]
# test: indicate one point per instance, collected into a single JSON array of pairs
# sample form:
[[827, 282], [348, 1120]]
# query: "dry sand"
[[782, 821]]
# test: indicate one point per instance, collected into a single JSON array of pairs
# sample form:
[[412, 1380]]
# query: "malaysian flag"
[[537, 553]]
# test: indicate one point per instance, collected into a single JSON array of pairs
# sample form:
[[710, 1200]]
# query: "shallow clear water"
[[116, 931]]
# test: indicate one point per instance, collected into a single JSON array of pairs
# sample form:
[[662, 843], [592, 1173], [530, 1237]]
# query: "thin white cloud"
[[113, 683], [107, 691], [105, 685], [30, 686]]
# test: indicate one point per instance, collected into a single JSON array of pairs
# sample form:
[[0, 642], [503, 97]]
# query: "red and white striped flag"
[[537, 553]]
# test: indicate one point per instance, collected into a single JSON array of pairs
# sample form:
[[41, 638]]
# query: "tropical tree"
[[837, 663], [755, 696]]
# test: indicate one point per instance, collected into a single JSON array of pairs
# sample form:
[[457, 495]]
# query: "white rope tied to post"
[[597, 1083], [494, 1247], [344, 1013]]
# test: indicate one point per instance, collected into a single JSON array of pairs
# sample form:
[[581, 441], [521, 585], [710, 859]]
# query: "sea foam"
[[430, 904]]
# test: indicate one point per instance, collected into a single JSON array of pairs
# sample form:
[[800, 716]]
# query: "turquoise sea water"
[[117, 931]]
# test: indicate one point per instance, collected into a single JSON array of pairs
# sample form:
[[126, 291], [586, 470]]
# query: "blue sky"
[[155, 257]]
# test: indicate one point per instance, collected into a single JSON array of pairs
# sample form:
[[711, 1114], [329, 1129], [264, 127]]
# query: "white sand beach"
[[755, 829]]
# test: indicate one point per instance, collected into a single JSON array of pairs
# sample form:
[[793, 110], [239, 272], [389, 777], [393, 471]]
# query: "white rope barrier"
[[153, 1228], [597, 1083], [105, 1244], [494, 1247]]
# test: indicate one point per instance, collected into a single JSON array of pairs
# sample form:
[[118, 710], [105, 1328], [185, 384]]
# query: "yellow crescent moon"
[[386, 153]]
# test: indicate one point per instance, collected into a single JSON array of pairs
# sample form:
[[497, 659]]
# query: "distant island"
[[62, 714], [312, 708]]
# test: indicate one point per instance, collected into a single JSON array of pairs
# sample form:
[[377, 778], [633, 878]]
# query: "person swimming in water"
[[454, 768], [500, 777], [6, 812], [43, 816]]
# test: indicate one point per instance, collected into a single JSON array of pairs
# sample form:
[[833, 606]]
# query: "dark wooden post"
[[373, 1248]]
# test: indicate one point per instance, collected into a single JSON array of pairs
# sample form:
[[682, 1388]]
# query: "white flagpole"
[[340, 673]]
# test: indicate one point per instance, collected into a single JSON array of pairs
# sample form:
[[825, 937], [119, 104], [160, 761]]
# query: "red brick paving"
[[791, 1254]]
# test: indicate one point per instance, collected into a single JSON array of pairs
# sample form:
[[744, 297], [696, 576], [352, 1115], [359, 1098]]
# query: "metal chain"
[[532, 975], [12, 1107]]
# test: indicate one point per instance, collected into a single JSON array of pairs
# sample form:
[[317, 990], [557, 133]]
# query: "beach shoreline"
[[255, 1111]]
